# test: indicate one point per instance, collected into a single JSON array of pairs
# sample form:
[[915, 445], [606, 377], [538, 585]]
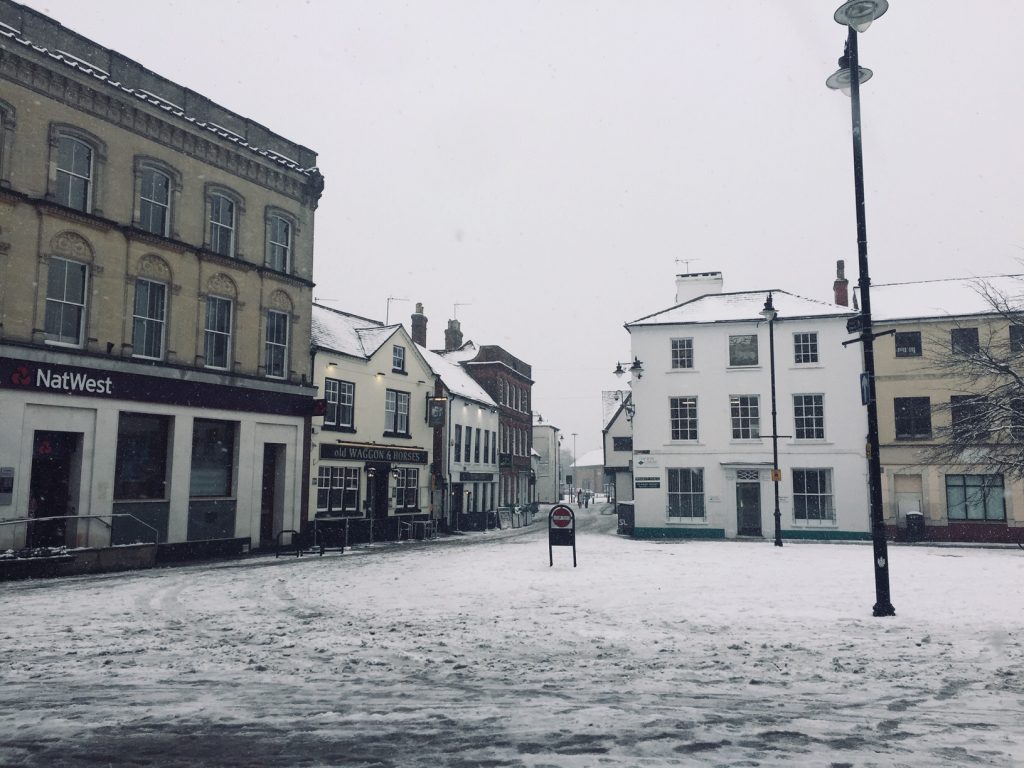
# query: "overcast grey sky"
[[546, 162]]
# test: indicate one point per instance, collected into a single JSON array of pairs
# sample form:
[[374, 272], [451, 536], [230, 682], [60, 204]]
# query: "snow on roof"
[[455, 377], [464, 353], [102, 76], [746, 305], [611, 402], [348, 334], [954, 297], [594, 458]]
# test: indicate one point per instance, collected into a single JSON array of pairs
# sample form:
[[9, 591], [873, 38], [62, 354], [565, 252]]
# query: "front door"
[[271, 512], [748, 509], [53, 460]]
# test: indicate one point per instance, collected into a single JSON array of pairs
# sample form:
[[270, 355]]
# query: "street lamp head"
[[859, 14], [619, 371], [637, 368], [769, 313], [841, 79]]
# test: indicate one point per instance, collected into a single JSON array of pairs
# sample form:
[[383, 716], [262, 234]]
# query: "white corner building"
[[702, 428]]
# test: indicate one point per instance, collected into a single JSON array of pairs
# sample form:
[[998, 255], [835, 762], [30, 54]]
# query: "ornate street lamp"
[[769, 314], [857, 15]]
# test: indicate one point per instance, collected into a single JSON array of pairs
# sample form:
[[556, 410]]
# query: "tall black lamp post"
[[858, 15], [769, 314]]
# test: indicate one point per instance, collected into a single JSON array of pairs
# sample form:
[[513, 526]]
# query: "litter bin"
[[915, 526]]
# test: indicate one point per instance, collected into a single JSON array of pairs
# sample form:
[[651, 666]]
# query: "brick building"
[[507, 380]]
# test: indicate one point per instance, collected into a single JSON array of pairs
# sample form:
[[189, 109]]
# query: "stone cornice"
[[178, 132]]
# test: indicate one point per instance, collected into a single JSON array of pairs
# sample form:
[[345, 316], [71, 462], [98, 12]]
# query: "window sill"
[[401, 435], [816, 523], [756, 367], [683, 370], [703, 521], [805, 366], [336, 428], [400, 371]]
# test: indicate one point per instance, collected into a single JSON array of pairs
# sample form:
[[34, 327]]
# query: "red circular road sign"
[[561, 517]]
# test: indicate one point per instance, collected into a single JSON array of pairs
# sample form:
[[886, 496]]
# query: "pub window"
[[337, 491], [407, 487], [396, 412]]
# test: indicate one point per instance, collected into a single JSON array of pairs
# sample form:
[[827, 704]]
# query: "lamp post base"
[[883, 609]]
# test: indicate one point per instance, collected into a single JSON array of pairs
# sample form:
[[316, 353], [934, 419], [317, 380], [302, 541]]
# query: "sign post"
[[561, 531]]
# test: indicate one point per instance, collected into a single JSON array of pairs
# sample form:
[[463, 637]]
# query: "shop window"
[[213, 458], [141, 462], [975, 497], [685, 493]]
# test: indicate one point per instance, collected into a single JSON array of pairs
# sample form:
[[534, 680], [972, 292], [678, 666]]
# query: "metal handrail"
[[101, 518]]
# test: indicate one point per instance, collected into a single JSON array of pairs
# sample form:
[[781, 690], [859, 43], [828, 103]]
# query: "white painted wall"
[[712, 381]]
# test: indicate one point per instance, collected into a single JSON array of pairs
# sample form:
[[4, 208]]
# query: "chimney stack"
[[419, 326], [452, 336], [841, 286], [696, 284]]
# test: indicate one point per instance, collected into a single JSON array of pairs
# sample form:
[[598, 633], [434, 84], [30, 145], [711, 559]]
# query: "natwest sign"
[[73, 381], [56, 378], [180, 389]]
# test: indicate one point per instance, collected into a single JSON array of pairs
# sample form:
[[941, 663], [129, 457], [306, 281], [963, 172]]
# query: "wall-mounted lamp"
[[636, 368]]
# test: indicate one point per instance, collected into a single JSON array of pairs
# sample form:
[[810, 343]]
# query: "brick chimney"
[[841, 286], [419, 325], [452, 336]]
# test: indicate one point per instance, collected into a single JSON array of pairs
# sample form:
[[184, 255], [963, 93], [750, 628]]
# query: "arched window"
[[75, 158]]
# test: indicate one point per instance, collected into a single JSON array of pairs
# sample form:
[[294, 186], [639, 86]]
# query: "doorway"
[[272, 494], [748, 509], [56, 465]]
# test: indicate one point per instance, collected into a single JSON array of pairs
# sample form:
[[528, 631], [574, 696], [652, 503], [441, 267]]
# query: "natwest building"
[[156, 262]]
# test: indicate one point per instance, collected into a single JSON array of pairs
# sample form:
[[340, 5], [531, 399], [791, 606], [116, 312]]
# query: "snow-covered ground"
[[472, 651]]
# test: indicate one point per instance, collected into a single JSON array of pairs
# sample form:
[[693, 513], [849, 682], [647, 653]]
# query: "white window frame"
[[745, 414], [67, 176], [218, 227], [396, 412], [809, 416], [682, 354], [63, 303], [280, 236], [212, 334], [276, 348], [824, 497], [675, 506], [805, 348], [147, 202], [150, 323], [683, 418], [735, 341]]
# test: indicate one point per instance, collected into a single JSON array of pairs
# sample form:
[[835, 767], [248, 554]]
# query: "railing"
[[104, 519]]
